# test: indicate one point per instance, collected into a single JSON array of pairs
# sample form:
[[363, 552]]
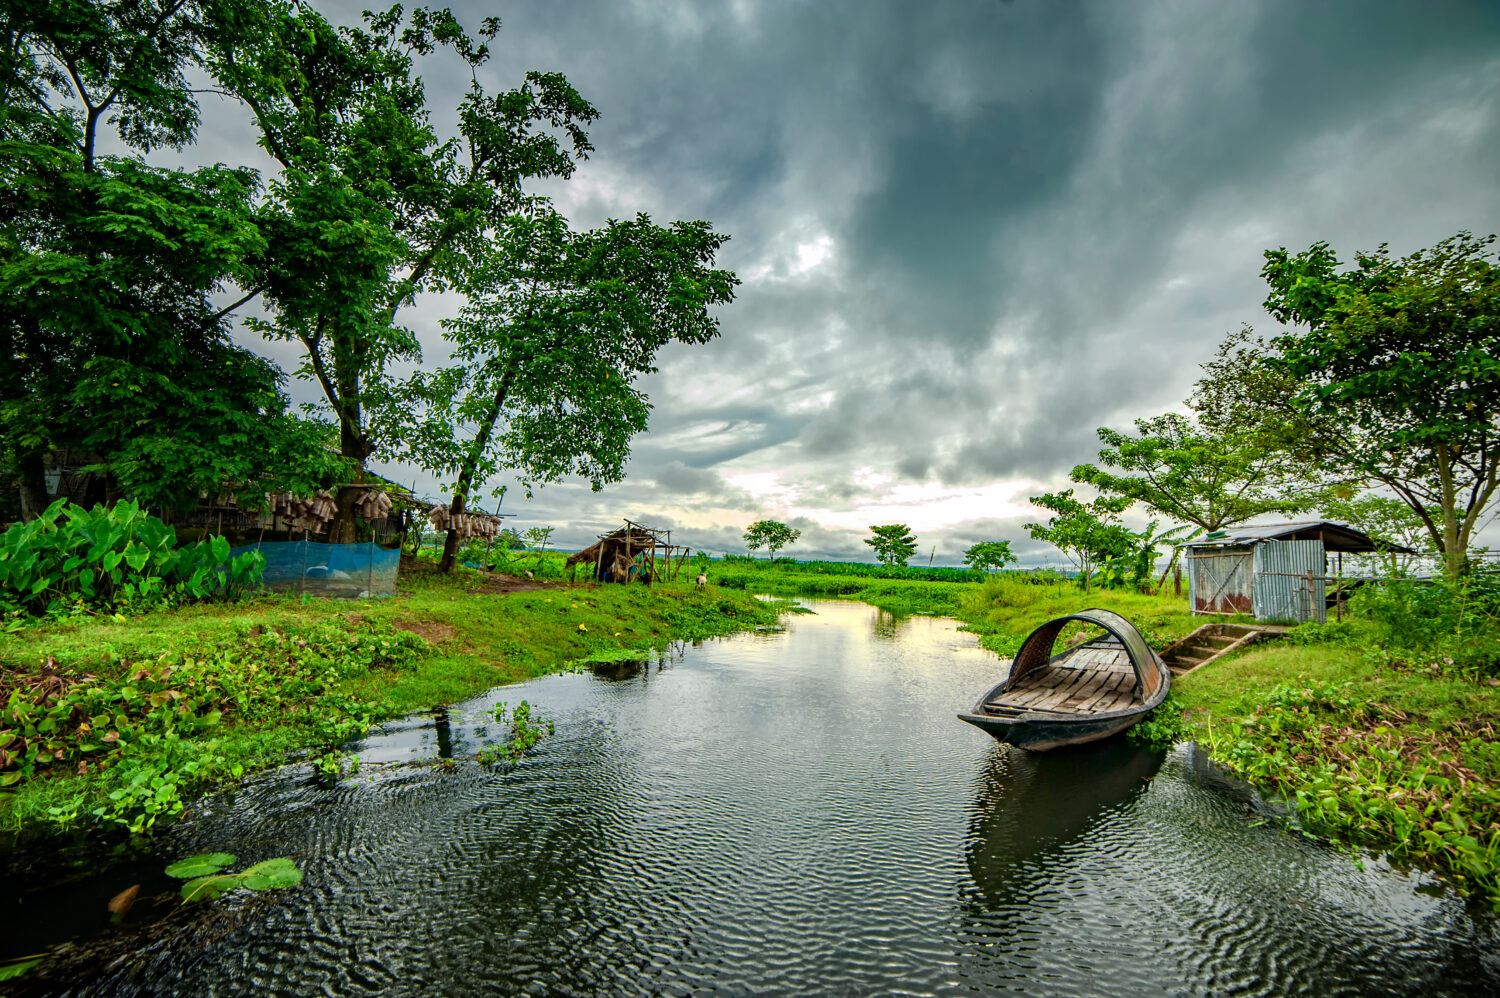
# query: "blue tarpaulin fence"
[[346, 571]]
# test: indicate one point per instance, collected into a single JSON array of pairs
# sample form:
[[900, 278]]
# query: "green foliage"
[[1195, 475], [1006, 607], [1458, 622], [1371, 774], [744, 565], [1162, 728], [524, 733], [374, 204], [773, 535], [559, 329], [16, 968], [115, 343], [70, 559], [989, 556], [151, 725], [1389, 522], [1089, 534], [206, 878], [893, 543], [1401, 356], [284, 675]]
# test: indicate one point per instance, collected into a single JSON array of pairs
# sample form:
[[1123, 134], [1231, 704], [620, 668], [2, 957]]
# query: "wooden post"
[[599, 562], [1177, 581]]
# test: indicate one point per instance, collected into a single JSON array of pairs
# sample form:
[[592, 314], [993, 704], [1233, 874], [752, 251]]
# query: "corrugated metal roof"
[[1335, 536]]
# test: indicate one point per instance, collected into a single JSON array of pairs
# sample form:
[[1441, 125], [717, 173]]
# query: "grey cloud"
[[1043, 215]]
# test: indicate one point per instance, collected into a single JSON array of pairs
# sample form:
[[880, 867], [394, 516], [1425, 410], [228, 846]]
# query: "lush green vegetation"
[[1002, 608], [1378, 730], [71, 560], [113, 721]]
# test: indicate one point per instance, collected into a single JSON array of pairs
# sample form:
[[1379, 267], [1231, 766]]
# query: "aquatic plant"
[[206, 878], [524, 733], [1370, 774], [145, 727]]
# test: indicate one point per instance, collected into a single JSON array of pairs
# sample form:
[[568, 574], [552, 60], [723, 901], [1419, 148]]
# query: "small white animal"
[[529, 575], [702, 580]]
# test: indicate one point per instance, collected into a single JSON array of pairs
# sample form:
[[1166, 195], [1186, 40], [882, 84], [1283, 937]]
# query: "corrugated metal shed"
[[1335, 536], [1277, 571], [1290, 581]]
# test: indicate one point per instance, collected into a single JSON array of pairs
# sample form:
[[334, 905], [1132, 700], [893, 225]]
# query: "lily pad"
[[11, 971], [202, 865], [273, 873], [204, 888]]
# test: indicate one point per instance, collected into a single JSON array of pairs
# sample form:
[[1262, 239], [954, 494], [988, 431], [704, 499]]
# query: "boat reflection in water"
[[1031, 805]]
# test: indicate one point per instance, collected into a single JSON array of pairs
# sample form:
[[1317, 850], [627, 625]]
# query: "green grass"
[[122, 719], [1003, 609], [1396, 752]]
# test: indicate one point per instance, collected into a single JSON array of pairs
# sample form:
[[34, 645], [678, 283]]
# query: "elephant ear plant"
[[206, 878]]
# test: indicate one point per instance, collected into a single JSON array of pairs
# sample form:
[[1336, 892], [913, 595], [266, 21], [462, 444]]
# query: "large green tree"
[[989, 556], [1198, 476], [773, 535], [1400, 358], [373, 205], [113, 343], [1090, 534], [893, 543], [558, 329]]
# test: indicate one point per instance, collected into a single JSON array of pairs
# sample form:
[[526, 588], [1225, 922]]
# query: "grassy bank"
[[114, 721], [1001, 608], [1391, 750]]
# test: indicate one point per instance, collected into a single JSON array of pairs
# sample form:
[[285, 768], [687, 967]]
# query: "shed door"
[[1290, 581], [1219, 580]]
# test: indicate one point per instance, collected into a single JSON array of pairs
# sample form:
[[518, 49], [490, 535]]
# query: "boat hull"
[[1042, 735]]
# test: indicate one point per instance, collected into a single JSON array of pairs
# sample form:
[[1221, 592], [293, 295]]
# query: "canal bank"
[[123, 720], [781, 813]]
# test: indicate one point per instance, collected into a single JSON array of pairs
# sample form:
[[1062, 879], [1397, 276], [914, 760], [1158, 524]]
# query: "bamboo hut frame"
[[615, 554]]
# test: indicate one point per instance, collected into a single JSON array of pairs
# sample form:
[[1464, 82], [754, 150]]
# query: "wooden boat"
[[1082, 694]]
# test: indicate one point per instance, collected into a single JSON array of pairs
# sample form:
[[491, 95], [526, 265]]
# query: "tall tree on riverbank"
[[990, 556], [893, 543], [372, 206], [773, 535], [559, 328], [111, 343], [1198, 476], [1088, 533], [1400, 357]]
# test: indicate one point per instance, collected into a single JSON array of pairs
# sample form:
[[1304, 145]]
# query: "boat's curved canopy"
[[1036, 650]]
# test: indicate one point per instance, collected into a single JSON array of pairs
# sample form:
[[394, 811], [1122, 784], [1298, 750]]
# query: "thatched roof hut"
[[630, 553]]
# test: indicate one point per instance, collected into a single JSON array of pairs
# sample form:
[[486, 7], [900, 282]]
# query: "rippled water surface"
[[792, 814]]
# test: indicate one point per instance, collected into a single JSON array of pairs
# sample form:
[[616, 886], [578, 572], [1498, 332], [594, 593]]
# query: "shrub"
[[1460, 621], [112, 558]]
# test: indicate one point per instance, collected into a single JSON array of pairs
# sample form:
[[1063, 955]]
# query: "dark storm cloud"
[[973, 232]]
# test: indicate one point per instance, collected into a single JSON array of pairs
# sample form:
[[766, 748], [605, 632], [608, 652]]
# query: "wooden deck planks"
[[1091, 680]]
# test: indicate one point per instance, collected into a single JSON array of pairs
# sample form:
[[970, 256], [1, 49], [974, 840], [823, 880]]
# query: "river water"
[[794, 813]]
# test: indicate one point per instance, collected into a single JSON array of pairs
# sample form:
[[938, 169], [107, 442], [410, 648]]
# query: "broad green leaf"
[[207, 888], [11, 971], [200, 866], [272, 873]]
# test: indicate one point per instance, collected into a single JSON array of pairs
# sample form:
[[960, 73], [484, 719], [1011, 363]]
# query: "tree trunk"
[[450, 542], [467, 470], [31, 481]]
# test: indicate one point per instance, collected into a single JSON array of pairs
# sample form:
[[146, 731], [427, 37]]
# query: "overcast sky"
[[970, 233]]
